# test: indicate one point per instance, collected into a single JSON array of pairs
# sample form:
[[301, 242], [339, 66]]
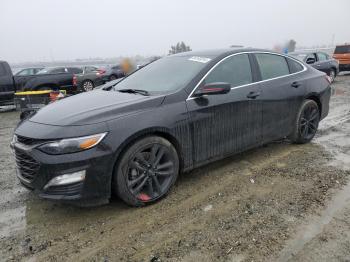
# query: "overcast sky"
[[34, 30]]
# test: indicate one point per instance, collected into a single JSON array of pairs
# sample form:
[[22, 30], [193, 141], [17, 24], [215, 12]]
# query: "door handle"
[[253, 95], [295, 84]]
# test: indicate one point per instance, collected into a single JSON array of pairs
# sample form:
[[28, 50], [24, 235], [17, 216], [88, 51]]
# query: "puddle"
[[12, 220], [316, 225]]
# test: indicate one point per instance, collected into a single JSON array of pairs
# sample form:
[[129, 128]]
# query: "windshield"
[[342, 49], [300, 56], [164, 75]]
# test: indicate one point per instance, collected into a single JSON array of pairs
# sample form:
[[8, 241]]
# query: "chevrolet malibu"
[[180, 112]]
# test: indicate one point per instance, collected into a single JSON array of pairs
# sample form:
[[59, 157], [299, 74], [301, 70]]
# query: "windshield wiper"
[[134, 91]]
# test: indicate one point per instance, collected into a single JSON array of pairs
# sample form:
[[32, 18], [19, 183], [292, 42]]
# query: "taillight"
[[100, 71], [75, 80], [329, 79]]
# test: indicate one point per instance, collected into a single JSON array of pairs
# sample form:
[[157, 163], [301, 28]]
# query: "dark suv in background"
[[71, 79], [319, 60]]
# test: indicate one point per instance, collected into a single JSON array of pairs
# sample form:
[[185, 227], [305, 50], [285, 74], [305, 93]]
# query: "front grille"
[[27, 166], [28, 141]]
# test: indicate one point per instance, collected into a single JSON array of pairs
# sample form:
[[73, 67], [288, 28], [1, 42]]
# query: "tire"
[[306, 124], [87, 85], [332, 75], [113, 77], [146, 171]]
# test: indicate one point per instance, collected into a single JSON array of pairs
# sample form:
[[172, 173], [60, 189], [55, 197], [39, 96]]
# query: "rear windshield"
[[342, 49]]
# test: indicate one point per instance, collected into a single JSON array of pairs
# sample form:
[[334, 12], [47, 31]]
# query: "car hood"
[[94, 107]]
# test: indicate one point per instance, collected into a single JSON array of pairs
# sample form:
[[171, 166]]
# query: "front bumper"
[[35, 169]]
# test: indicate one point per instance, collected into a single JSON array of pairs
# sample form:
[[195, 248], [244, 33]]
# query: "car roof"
[[220, 52]]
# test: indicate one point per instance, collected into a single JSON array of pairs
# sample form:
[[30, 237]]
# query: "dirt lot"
[[276, 203]]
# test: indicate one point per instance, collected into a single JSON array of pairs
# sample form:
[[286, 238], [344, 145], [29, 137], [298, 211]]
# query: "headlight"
[[72, 145]]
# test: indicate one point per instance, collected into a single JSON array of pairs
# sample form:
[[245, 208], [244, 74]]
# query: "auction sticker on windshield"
[[199, 59]]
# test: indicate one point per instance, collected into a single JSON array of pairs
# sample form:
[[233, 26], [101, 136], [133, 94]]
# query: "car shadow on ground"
[[4, 109]]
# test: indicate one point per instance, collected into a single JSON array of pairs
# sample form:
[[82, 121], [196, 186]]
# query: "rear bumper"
[[344, 67], [325, 98]]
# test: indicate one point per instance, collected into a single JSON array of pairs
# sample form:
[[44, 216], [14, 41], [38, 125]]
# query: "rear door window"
[[272, 66], [234, 70], [294, 66], [59, 70], [75, 70], [322, 57], [90, 69]]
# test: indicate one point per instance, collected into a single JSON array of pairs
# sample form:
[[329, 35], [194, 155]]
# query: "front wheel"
[[306, 123], [146, 171]]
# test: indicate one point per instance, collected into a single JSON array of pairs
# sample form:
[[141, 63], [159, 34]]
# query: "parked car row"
[[319, 60], [71, 79], [324, 62]]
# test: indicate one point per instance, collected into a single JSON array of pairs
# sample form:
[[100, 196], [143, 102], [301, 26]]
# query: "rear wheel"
[[88, 85], [146, 171], [306, 123], [113, 77]]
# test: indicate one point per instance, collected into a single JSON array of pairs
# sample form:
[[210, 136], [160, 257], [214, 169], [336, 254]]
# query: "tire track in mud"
[[179, 225], [334, 136], [190, 205]]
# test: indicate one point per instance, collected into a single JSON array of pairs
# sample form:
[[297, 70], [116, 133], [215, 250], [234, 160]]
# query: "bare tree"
[[179, 48], [291, 45]]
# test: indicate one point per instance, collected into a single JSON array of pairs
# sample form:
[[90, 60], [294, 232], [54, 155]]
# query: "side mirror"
[[310, 60], [213, 89]]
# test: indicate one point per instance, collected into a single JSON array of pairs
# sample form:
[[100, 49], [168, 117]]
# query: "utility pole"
[[333, 37]]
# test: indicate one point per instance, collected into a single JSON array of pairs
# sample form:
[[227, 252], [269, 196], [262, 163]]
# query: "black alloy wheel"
[[307, 123], [147, 171]]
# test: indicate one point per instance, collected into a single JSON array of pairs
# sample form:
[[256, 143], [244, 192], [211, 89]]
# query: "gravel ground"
[[280, 202]]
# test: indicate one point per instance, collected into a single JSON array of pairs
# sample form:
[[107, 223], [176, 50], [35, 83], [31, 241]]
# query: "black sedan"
[[175, 114], [319, 60]]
